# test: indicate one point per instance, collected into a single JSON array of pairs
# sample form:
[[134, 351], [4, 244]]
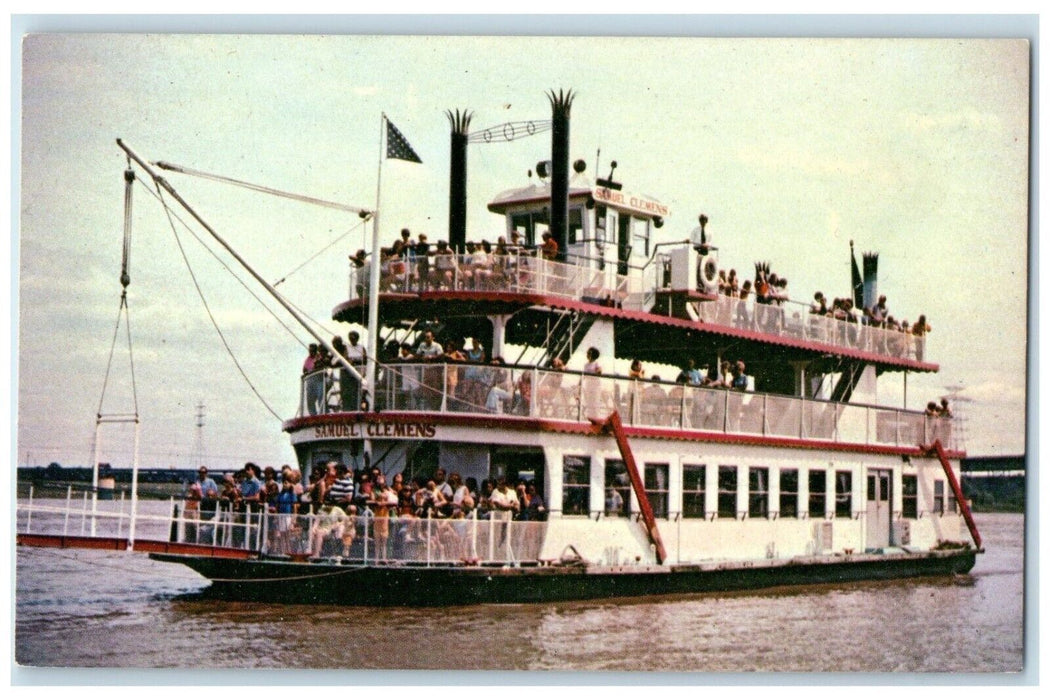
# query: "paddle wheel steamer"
[[650, 486]]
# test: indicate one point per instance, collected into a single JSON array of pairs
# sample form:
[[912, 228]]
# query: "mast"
[[372, 349]]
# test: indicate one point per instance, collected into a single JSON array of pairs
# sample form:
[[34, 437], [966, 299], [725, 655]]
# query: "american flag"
[[397, 146]]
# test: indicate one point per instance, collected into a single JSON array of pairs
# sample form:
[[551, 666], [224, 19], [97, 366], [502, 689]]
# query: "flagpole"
[[373, 282]]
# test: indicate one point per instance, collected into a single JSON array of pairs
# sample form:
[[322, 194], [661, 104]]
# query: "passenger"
[[504, 269], [287, 507], [591, 386], [504, 501], [443, 485], [251, 490], [614, 503], [550, 388], [191, 511], [420, 273], [739, 376], [445, 268], [384, 501], [919, 331], [732, 284], [481, 265], [209, 494], [689, 374], [522, 405], [453, 356], [931, 410], [341, 492], [331, 523], [314, 380], [432, 377], [819, 305], [500, 389], [474, 390], [536, 510], [485, 500], [743, 320], [944, 411], [549, 249], [636, 371]]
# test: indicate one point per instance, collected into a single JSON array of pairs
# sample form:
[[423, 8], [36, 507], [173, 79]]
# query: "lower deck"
[[711, 501]]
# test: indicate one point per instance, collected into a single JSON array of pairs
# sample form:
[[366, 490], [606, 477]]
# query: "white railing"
[[517, 272], [440, 387], [166, 521], [368, 538], [794, 320]]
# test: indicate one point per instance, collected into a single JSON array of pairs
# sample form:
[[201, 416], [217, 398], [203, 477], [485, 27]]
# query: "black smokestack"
[[561, 106], [457, 179]]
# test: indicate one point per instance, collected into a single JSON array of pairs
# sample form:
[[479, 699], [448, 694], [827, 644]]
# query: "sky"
[[915, 148]]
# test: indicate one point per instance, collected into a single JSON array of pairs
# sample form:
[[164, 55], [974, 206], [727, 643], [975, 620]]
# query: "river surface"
[[81, 609]]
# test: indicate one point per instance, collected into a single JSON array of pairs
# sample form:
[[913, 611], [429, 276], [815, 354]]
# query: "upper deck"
[[521, 280]]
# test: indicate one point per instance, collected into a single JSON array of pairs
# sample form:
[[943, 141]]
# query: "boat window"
[[758, 492], [694, 483], [617, 488], [843, 494], [909, 496], [818, 489], [788, 504], [953, 505], [656, 488], [575, 233], [640, 236], [576, 486], [527, 224], [938, 497], [727, 492]]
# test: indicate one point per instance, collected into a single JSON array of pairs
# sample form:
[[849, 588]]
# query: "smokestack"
[[561, 106], [871, 279], [457, 179]]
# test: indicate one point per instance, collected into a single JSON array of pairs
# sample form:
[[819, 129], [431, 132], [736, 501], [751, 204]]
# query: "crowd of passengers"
[[482, 266], [343, 500], [481, 385], [771, 289]]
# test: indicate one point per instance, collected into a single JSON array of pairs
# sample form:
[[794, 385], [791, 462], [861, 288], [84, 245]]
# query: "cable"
[[226, 267], [315, 255], [200, 292]]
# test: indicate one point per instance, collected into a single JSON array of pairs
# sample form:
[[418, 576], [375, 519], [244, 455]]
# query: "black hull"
[[346, 584]]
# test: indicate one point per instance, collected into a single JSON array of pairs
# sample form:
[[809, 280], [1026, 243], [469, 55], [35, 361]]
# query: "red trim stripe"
[[525, 424]]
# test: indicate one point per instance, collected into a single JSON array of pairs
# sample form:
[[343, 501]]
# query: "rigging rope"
[[200, 292], [363, 213], [312, 257], [233, 273]]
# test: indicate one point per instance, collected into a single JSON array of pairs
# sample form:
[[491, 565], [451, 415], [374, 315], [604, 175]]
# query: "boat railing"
[[519, 272], [793, 319], [176, 520], [367, 537], [462, 388]]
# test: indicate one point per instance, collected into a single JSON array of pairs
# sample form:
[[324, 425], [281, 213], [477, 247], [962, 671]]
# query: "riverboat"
[[794, 475]]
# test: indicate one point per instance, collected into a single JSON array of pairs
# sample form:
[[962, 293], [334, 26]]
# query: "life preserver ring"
[[707, 273]]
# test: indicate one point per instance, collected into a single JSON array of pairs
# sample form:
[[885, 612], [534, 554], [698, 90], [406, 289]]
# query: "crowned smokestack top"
[[457, 179], [561, 107], [871, 279]]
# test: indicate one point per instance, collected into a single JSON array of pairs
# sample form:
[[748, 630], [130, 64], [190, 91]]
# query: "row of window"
[[822, 483]]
